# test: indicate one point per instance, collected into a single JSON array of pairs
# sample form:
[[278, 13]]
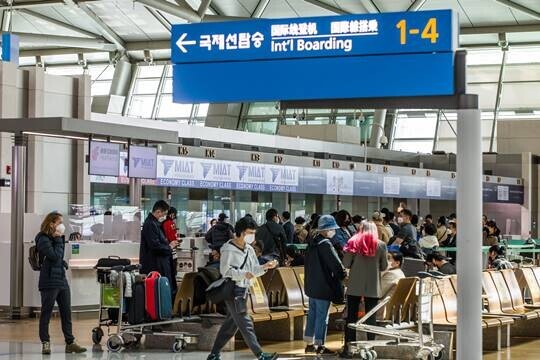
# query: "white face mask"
[[400, 220], [162, 219], [331, 233], [60, 229], [249, 238]]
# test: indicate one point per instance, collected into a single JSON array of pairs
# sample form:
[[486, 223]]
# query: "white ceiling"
[[133, 22]]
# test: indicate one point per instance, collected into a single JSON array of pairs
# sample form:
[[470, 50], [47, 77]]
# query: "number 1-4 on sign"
[[429, 32]]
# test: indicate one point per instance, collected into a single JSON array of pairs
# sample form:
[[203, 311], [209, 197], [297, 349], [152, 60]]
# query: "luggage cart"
[[120, 333], [426, 347]]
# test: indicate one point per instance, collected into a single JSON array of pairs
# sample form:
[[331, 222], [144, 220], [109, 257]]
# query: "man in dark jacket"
[[288, 227], [273, 237], [156, 251], [220, 233], [324, 274]]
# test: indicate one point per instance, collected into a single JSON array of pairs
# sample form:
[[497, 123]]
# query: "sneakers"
[[267, 356], [46, 348], [213, 357], [310, 349], [322, 350], [74, 348]]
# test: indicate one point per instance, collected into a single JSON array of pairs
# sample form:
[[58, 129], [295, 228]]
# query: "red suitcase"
[[150, 301]]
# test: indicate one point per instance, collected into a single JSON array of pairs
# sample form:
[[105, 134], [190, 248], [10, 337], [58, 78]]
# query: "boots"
[[74, 348]]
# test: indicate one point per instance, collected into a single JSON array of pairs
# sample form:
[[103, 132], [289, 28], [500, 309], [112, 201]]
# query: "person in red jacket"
[[169, 228]]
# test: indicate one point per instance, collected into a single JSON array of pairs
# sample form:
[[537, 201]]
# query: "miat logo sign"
[[144, 163], [181, 167], [256, 173], [216, 170], [285, 174]]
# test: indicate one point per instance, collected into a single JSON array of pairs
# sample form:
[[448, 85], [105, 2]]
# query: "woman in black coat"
[[53, 284]]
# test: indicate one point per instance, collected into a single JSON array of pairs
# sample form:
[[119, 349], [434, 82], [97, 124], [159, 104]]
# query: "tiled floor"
[[18, 340]]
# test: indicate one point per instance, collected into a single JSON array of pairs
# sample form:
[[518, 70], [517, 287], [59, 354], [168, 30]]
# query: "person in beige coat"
[[365, 256], [378, 220]]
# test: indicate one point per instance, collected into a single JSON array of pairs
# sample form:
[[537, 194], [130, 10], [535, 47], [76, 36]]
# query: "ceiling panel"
[[446, 4], [45, 27], [173, 19], [234, 7], [354, 7], [307, 9], [395, 5], [21, 24], [279, 9], [70, 15], [115, 18], [487, 12], [249, 5], [144, 20]]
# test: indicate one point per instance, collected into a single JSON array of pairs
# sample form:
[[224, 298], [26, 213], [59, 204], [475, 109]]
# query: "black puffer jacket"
[[53, 269], [324, 271], [219, 234], [273, 238], [155, 252]]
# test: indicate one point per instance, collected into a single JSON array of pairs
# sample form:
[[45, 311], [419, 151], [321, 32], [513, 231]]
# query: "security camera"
[[384, 140]]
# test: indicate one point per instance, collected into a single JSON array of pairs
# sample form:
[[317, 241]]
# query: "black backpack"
[[34, 258]]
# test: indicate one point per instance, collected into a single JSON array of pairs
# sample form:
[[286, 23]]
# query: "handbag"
[[222, 289]]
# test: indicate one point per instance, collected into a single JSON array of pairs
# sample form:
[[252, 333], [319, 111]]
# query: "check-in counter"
[[81, 258]]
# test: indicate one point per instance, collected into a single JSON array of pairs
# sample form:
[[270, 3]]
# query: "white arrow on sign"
[[181, 42]]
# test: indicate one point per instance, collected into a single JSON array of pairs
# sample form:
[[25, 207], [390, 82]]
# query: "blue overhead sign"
[[263, 59]]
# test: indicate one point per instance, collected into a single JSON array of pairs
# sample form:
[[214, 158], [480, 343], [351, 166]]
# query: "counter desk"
[[81, 258]]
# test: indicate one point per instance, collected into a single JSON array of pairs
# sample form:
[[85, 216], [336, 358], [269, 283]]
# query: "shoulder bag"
[[223, 289]]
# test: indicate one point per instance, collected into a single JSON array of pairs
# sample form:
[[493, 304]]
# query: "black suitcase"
[[136, 305], [112, 261]]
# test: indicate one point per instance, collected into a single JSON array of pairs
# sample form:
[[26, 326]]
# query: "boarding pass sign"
[[356, 35]]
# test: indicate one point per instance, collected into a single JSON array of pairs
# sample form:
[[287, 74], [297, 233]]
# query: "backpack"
[[34, 258]]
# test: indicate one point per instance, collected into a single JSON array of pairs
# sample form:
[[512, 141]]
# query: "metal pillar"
[[436, 136], [135, 192], [469, 247], [498, 98], [377, 128], [121, 78], [18, 205]]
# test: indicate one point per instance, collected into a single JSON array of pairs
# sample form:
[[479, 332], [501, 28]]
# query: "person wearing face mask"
[[343, 233], [53, 284], [273, 238], [171, 233], [451, 240], [407, 229], [233, 254], [156, 251], [324, 274]]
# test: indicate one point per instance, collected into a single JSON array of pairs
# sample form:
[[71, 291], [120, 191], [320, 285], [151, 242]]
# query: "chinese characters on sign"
[[355, 27], [294, 29]]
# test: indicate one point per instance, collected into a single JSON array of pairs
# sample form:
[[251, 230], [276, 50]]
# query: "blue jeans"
[[317, 321]]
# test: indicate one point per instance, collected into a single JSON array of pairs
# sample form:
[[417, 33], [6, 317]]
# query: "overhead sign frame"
[[333, 57]]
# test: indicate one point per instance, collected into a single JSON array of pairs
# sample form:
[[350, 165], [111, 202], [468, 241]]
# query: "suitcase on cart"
[[158, 297], [136, 308]]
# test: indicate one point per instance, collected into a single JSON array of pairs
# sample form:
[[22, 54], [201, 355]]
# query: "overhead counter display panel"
[[202, 173], [104, 158], [142, 162]]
